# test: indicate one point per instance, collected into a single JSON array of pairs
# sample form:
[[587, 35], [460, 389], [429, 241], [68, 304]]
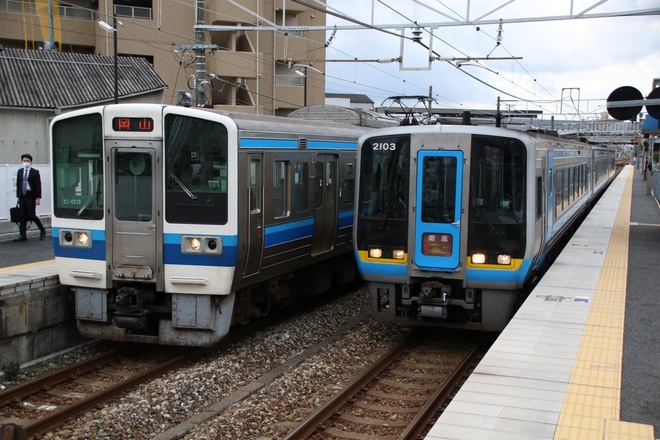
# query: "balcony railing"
[[289, 80], [75, 12]]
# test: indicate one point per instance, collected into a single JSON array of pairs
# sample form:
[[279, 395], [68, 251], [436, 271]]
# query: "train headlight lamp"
[[398, 254], [504, 259], [71, 238], [375, 253], [478, 258], [195, 244], [201, 245], [82, 238]]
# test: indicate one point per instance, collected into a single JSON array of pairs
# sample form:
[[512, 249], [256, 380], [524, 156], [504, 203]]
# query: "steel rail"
[[325, 411]]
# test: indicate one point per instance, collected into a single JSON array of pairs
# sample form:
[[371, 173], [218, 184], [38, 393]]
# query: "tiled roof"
[[41, 79]]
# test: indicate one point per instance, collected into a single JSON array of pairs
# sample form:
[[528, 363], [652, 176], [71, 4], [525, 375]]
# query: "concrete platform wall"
[[36, 315]]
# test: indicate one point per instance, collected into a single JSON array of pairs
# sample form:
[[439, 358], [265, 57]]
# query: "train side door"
[[438, 213], [255, 243], [325, 203], [136, 213]]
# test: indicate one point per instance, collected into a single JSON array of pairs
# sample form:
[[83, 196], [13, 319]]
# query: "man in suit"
[[28, 191]]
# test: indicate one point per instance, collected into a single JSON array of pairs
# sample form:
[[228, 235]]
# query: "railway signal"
[[626, 102]]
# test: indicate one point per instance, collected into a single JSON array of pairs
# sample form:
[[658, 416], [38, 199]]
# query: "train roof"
[[274, 124]]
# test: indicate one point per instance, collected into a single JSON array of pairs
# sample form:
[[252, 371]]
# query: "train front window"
[[383, 194], [78, 167], [439, 189], [497, 195], [196, 172], [133, 186]]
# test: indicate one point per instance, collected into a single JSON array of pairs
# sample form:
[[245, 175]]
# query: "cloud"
[[585, 57]]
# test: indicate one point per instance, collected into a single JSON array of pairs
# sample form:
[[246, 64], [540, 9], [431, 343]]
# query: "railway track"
[[398, 396], [44, 403]]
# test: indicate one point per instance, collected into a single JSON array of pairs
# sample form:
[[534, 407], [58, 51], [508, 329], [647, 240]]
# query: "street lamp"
[[106, 27]]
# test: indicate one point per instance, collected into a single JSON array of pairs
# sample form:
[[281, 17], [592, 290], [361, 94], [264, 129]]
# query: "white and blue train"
[[171, 224], [453, 223]]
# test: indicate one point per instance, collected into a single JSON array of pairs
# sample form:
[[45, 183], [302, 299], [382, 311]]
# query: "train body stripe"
[[287, 232], [172, 253], [96, 252], [265, 143], [500, 275], [368, 268], [346, 219]]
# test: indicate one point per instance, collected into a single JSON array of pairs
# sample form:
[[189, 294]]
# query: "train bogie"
[[175, 223]]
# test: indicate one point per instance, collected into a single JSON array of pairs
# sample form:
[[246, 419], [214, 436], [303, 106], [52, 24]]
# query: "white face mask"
[[26, 165]]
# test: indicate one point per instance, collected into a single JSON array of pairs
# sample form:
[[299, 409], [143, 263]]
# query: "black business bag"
[[15, 214]]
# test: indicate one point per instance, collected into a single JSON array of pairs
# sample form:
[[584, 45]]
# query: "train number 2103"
[[384, 146]]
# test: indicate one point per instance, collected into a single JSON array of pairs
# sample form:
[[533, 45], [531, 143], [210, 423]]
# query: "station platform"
[[580, 359]]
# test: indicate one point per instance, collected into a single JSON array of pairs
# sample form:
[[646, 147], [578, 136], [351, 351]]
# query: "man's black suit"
[[27, 201]]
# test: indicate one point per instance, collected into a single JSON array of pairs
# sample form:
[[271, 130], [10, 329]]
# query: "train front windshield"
[[78, 167], [195, 171], [497, 197], [383, 203]]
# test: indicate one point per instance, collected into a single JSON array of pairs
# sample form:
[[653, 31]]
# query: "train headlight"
[[398, 254], [201, 245], [69, 238], [195, 244], [375, 253], [478, 258], [504, 259], [82, 238]]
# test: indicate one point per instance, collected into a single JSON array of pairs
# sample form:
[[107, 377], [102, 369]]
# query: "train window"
[[330, 182], [133, 186], [280, 202], [195, 170], [348, 190], [497, 182], [439, 189], [78, 167], [318, 185], [300, 187], [255, 187], [498, 186], [384, 178]]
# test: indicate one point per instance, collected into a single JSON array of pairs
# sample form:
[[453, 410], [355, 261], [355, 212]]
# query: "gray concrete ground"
[[640, 387]]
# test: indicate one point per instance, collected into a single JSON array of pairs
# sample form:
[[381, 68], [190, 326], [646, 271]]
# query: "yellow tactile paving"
[[591, 406], [26, 266]]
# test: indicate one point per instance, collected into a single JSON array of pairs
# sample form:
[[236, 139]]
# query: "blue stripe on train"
[[287, 232], [367, 268], [345, 219], [293, 143], [95, 252], [171, 250], [503, 276], [172, 253]]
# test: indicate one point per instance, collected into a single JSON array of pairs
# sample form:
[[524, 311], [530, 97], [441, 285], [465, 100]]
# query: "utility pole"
[[200, 54]]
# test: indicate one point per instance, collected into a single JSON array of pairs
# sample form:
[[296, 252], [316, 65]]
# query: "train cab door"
[[325, 203], [438, 214], [255, 243], [136, 213]]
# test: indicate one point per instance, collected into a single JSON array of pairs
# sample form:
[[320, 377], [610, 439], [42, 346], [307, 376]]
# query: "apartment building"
[[264, 69]]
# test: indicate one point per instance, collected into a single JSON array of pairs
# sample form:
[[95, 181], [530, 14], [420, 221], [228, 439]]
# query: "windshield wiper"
[[183, 187], [388, 209], [490, 225], [85, 205]]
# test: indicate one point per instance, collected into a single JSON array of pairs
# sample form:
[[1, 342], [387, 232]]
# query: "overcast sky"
[[581, 61]]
